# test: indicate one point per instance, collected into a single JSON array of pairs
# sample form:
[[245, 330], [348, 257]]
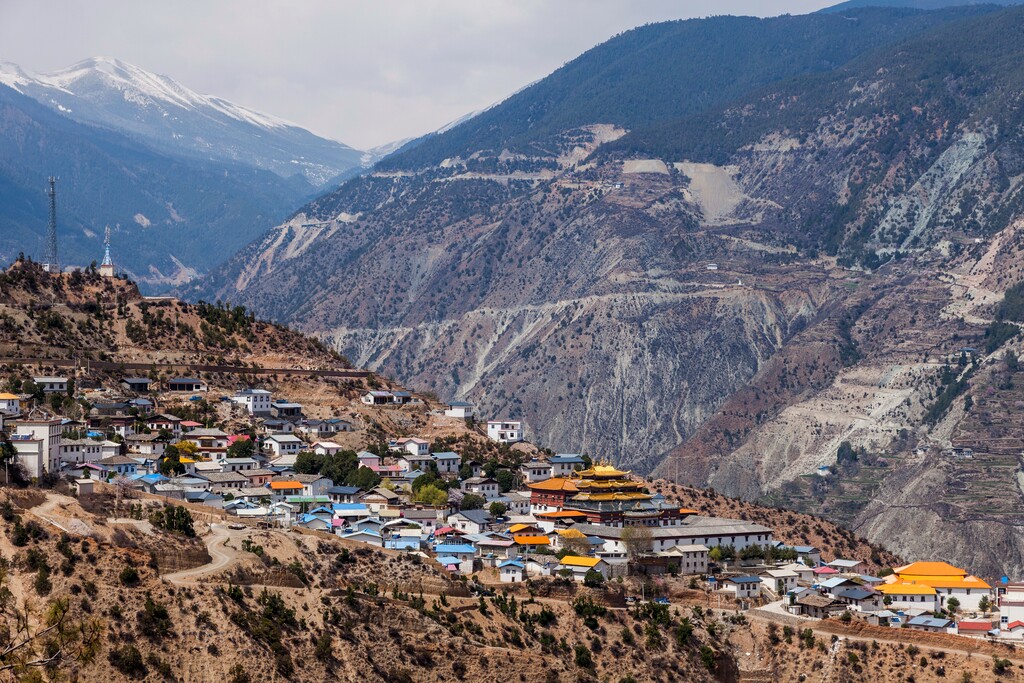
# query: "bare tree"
[[576, 546], [638, 540], [125, 489]]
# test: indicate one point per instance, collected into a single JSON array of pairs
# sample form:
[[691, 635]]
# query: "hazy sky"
[[365, 73]]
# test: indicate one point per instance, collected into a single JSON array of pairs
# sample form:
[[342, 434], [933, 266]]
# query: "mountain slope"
[[172, 217], [915, 4], [743, 289], [168, 116], [668, 70]]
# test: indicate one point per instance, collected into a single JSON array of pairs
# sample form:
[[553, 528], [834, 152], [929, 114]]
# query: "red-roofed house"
[[1014, 630], [976, 629]]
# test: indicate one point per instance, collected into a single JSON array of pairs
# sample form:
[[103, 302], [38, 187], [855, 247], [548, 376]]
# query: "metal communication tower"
[[53, 265]]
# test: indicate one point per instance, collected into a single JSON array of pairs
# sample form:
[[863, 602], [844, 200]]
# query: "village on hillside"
[[472, 496]]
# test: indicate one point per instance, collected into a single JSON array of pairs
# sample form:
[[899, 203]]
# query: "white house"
[[243, 465], [412, 463], [469, 521], [505, 431], [49, 432], [536, 471], [226, 480], [743, 587], [859, 598], [326, 448], [255, 401], [848, 566], [1011, 605], [169, 422], [779, 581], [51, 385], [376, 398], [10, 404], [32, 453], [77, 451], [515, 503], [323, 429], [564, 464], [401, 397], [312, 484], [447, 462], [119, 465], [904, 596], [482, 486], [282, 445], [461, 552], [459, 409], [580, 566], [512, 571], [208, 441], [145, 444], [414, 446], [690, 558], [804, 574]]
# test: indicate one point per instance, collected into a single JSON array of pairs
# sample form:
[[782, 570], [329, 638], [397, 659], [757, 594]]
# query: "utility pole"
[[52, 261]]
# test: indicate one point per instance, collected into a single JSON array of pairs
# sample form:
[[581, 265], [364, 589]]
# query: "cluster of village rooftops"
[[560, 515]]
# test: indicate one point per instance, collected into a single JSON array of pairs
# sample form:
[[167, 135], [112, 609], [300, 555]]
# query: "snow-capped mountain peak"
[[108, 92]]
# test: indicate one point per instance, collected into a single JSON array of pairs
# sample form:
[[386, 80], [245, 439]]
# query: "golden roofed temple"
[[605, 483], [603, 494]]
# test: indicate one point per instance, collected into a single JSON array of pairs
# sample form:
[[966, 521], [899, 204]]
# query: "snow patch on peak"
[[145, 88]]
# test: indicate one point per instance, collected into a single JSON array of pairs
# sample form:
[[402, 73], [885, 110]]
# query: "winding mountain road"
[[221, 555]]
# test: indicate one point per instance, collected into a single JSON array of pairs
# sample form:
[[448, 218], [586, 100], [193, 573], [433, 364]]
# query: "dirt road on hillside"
[[221, 555]]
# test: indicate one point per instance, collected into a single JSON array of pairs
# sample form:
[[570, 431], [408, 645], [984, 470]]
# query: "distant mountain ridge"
[[914, 4], [167, 115]]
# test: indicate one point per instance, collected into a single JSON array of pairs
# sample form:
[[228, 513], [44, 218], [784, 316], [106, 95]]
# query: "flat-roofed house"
[[186, 384], [52, 385], [255, 401], [138, 385], [505, 431], [459, 409]]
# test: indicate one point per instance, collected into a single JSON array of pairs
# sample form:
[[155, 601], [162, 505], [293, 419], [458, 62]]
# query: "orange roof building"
[[550, 495], [577, 561], [603, 495], [916, 570], [945, 580], [555, 484], [285, 485], [531, 540], [938, 575], [562, 514]]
